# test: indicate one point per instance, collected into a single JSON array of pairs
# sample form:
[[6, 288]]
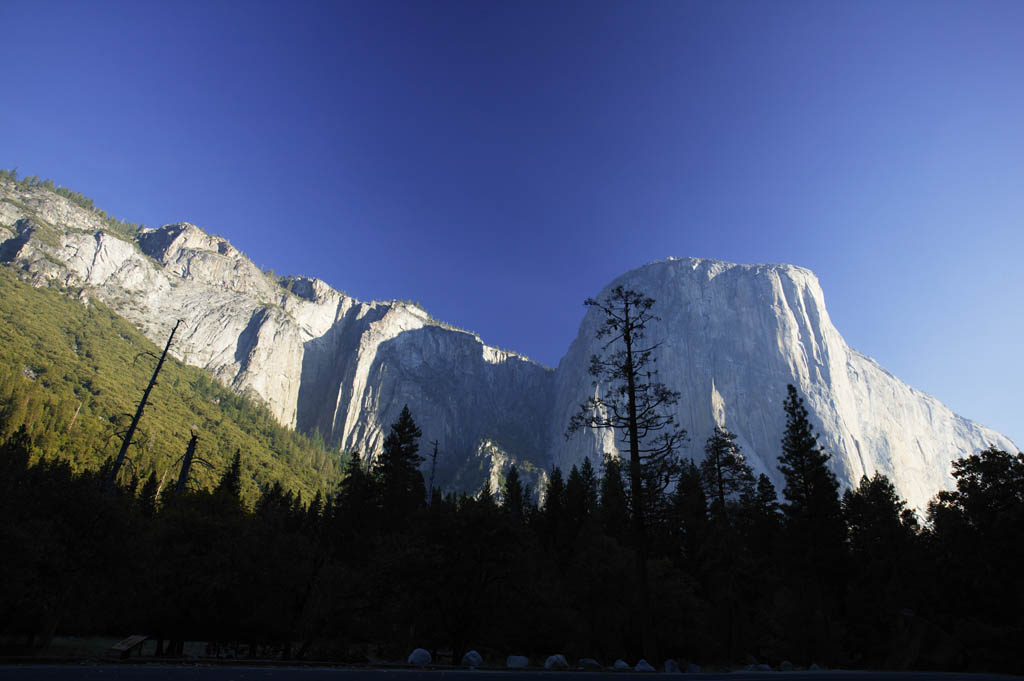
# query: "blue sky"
[[501, 162]]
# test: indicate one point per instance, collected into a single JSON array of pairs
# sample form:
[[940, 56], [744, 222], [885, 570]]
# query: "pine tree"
[[879, 582], [554, 502], [148, 498], [613, 509], [512, 493], [397, 469], [636, 405], [355, 507], [765, 500], [230, 484], [811, 491], [486, 496], [814, 534], [690, 512], [15, 451], [724, 473]]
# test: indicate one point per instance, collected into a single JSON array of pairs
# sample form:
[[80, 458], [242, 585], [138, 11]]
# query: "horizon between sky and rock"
[[500, 164], [730, 338]]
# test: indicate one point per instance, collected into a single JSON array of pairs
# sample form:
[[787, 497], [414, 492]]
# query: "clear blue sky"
[[501, 162]]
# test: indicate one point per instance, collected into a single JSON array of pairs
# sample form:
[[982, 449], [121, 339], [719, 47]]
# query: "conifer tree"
[[15, 451], [486, 496], [230, 484], [554, 502], [765, 500], [724, 473], [148, 496], [355, 507], [879, 544], [613, 509], [690, 512], [397, 469], [814, 534], [588, 477], [639, 407], [811, 491], [512, 493]]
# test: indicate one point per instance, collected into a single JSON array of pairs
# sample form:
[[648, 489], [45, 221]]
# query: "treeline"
[[124, 228], [375, 568]]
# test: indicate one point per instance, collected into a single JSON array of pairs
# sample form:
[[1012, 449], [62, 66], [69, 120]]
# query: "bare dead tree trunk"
[[111, 480], [75, 416], [433, 469], [186, 465]]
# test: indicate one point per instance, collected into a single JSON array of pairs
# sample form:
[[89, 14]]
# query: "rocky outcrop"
[[318, 359], [731, 337]]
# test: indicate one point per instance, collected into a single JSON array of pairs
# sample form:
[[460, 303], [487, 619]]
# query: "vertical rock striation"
[[733, 336]]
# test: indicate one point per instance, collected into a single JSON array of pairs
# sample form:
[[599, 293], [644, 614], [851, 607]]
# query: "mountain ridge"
[[324, 362]]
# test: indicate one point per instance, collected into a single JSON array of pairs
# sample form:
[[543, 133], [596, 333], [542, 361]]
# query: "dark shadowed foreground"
[[198, 673]]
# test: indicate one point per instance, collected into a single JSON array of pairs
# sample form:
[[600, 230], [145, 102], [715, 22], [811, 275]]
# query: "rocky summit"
[[731, 338]]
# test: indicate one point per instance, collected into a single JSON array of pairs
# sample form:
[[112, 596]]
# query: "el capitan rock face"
[[732, 337]]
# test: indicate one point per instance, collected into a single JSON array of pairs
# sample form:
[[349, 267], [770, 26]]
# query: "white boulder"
[[420, 658]]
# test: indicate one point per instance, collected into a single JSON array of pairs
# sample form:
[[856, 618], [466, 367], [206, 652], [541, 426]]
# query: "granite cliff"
[[732, 337]]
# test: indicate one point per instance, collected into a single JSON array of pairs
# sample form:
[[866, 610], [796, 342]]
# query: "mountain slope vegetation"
[[73, 371]]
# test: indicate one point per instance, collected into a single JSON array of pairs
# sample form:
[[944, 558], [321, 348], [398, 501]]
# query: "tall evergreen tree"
[[397, 469], [355, 513], [977, 530], [724, 473], [554, 503], [512, 493], [148, 497], [613, 508], [814, 534], [638, 406], [880, 585], [486, 496], [580, 494], [690, 513], [230, 484], [811, 491]]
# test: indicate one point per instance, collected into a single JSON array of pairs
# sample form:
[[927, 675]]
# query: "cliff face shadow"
[[328, 369], [248, 339], [462, 400]]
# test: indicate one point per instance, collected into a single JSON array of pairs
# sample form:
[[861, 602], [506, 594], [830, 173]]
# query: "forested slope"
[[72, 372]]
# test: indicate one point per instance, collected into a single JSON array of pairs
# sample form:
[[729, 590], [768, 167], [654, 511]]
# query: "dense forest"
[[376, 567], [72, 373]]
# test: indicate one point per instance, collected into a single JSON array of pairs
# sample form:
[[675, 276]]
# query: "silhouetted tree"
[[724, 473], [512, 493], [553, 511], [880, 544], [230, 484], [814, 534], [148, 497], [976, 531], [397, 469], [690, 513], [636, 405], [613, 509]]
